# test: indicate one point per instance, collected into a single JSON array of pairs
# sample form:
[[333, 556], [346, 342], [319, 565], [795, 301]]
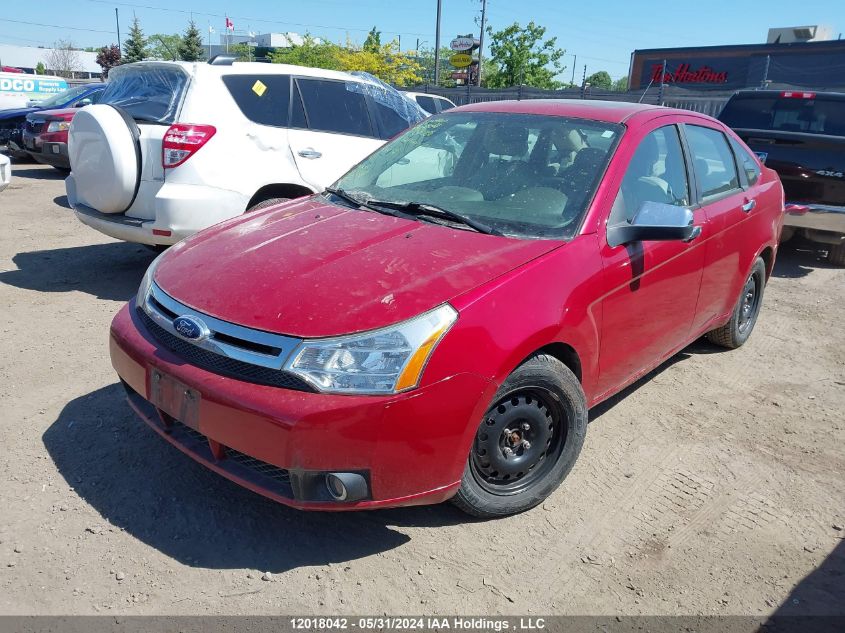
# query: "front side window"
[[263, 99], [427, 104], [498, 169], [330, 106], [657, 173], [713, 161]]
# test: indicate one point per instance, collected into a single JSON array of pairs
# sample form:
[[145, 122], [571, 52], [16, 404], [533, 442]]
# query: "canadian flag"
[[229, 24]]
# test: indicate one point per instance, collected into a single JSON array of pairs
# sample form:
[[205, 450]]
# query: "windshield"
[[147, 92], [819, 115], [523, 175], [63, 97]]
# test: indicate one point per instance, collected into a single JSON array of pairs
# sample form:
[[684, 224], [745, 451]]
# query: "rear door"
[[727, 202], [331, 129], [651, 287]]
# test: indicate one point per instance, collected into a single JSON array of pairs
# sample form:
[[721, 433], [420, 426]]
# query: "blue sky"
[[601, 34]]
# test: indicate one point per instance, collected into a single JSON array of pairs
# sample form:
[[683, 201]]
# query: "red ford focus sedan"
[[438, 323]]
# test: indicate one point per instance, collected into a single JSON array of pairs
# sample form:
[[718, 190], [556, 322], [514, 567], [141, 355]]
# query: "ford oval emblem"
[[191, 328]]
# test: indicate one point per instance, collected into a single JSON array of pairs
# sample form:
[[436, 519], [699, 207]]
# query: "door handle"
[[309, 153], [749, 206]]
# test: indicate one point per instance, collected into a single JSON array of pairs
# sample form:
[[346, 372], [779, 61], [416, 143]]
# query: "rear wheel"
[[836, 255], [267, 202], [527, 442], [737, 330]]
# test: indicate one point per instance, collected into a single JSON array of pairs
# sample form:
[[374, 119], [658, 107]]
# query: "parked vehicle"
[[12, 121], [801, 135], [5, 172], [388, 344], [431, 103], [177, 147], [17, 89], [45, 136]]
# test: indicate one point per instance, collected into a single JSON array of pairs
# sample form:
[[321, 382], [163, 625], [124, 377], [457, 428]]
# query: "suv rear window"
[[147, 93], [264, 99], [331, 107], [819, 115]]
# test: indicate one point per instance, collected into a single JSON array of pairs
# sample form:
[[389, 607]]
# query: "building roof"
[[29, 56]]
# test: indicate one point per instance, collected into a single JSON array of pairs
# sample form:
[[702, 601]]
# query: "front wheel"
[[836, 255], [737, 330], [527, 442]]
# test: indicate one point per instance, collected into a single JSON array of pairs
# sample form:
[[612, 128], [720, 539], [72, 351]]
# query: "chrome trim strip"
[[284, 343]]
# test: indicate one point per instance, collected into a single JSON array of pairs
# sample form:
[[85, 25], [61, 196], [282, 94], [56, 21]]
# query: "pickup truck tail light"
[[797, 95], [183, 140]]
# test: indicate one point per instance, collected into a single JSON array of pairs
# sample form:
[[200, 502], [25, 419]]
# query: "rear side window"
[[263, 99], [819, 115], [147, 93], [445, 104], [330, 107], [746, 163], [713, 161], [427, 104]]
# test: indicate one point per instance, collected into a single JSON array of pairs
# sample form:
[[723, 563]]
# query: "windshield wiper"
[[430, 210], [344, 195]]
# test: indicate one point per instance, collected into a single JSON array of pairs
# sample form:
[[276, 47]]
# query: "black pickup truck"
[[801, 135]]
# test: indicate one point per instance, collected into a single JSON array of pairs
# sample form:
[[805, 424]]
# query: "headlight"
[[378, 362], [58, 126], [146, 283]]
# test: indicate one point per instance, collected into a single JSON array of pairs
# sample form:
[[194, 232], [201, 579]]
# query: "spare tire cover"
[[105, 158]]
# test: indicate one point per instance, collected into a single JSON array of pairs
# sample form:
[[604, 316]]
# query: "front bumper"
[[412, 446], [816, 217], [162, 214], [54, 154]]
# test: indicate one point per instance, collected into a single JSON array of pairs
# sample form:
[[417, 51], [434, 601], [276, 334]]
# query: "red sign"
[[704, 75]]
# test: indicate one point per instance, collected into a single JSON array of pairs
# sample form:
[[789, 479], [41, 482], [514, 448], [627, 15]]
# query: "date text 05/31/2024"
[[418, 623]]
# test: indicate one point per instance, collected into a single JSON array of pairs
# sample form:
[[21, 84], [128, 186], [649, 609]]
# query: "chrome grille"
[[231, 350]]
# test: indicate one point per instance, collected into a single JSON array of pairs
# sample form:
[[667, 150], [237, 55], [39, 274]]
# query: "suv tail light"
[[183, 140]]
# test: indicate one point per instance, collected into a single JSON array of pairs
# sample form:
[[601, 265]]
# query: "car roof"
[[607, 111], [250, 68]]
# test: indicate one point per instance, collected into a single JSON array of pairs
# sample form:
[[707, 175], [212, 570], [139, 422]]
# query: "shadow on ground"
[[142, 484], [38, 173], [799, 257], [108, 271]]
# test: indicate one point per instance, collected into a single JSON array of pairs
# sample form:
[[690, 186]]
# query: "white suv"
[[174, 147]]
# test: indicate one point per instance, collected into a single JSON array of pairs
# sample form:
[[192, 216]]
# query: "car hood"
[[311, 269], [13, 113]]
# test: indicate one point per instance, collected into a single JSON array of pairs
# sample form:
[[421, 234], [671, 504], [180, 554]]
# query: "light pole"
[[481, 38], [437, 46], [117, 21]]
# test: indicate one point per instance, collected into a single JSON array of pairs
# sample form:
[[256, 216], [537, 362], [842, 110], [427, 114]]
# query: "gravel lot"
[[714, 486]]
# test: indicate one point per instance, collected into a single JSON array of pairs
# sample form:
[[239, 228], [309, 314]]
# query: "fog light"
[[336, 487], [347, 486]]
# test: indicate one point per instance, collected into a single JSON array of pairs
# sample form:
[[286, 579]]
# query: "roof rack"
[[223, 59]]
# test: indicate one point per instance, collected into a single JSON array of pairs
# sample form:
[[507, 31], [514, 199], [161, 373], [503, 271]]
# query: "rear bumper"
[[412, 446], [817, 217], [175, 212]]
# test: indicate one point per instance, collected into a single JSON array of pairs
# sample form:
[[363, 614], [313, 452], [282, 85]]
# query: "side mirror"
[[83, 103], [655, 221]]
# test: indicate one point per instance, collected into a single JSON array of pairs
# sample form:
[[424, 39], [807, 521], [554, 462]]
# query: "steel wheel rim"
[[749, 302], [518, 442]]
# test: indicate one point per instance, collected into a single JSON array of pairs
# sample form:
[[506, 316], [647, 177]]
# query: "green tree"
[[242, 50], [387, 63], [312, 52], [40, 69], [601, 79], [163, 46], [373, 42], [135, 47], [522, 56], [621, 85], [190, 46], [108, 57]]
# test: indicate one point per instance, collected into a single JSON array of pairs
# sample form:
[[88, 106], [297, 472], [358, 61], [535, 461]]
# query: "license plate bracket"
[[175, 398]]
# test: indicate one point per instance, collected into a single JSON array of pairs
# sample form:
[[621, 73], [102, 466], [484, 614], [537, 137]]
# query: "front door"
[[651, 288]]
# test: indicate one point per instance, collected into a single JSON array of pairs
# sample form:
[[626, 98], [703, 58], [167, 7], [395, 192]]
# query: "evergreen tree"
[[135, 47], [373, 42], [190, 48]]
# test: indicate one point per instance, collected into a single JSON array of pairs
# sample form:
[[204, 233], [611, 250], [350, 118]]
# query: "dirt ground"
[[714, 486]]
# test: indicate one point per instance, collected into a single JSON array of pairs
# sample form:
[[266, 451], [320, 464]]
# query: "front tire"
[[527, 442], [267, 202], [737, 330], [836, 255]]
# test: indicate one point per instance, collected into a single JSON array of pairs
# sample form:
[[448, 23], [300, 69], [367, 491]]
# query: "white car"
[[430, 103], [5, 171], [175, 147]]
